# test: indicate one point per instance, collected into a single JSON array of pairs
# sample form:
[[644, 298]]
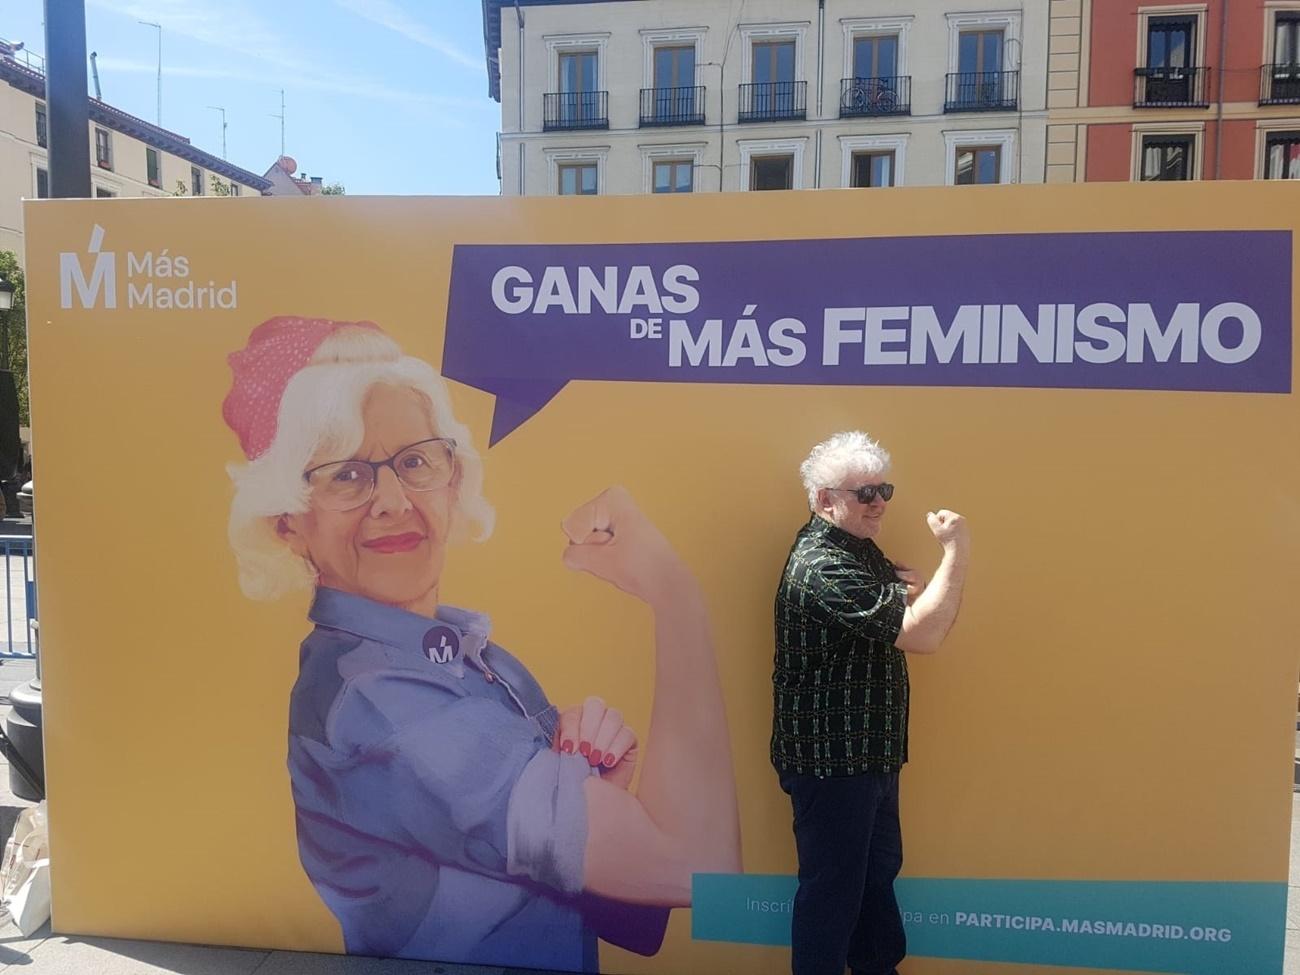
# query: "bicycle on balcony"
[[871, 96]]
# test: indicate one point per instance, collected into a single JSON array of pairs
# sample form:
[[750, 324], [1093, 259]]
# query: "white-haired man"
[[844, 616]]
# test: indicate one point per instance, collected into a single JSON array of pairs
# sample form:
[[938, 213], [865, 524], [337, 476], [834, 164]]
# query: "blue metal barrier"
[[20, 597]]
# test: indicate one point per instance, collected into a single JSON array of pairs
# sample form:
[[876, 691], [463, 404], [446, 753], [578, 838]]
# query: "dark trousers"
[[850, 849]]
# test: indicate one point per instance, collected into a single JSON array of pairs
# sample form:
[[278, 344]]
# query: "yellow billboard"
[[407, 567]]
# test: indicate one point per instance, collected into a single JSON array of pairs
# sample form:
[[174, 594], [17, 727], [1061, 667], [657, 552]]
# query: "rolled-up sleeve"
[[463, 779], [867, 606], [547, 821]]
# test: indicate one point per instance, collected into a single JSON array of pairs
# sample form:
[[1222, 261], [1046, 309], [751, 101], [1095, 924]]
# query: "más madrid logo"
[[154, 279]]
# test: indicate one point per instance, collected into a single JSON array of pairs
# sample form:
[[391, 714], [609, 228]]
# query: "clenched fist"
[[610, 538], [949, 528]]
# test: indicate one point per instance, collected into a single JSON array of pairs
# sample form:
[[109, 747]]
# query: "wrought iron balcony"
[[575, 110], [1170, 87], [773, 101], [875, 96], [1279, 84], [982, 91], [672, 106]]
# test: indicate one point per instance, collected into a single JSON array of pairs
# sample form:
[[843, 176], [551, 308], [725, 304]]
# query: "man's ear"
[[286, 529], [824, 500]]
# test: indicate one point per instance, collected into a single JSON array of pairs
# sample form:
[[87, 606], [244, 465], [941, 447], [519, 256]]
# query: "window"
[[42, 184], [772, 164], [103, 194], [773, 94], [1167, 157], [771, 173], [981, 82], [1282, 155], [671, 168], [42, 126], [579, 100], [196, 181], [872, 160], [578, 179], [674, 176], [674, 96], [873, 168], [235, 188], [1169, 75], [978, 165], [875, 56], [1171, 42], [674, 67], [1286, 39], [773, 62], [771, 66], [875, 80], [979, 51], [1284, 73], [103, 149], [153, 166], [578, 71]]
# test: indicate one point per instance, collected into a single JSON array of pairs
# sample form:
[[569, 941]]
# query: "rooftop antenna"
[[158, 27], [281, 118], [218, 108]]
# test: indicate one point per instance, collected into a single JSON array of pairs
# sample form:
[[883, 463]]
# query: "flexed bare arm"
[[683, 818]]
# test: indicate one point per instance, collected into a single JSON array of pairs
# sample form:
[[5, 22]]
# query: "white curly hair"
[[322, 411], [837, 458]]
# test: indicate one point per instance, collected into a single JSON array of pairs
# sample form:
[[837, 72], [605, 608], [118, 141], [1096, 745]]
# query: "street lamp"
[[6, 303]]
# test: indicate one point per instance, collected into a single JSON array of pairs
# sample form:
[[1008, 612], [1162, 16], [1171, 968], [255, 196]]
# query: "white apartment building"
[[639, 96], [128, 157]]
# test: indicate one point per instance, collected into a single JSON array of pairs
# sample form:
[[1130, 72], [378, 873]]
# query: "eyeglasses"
[[347, 484], [867, 493]]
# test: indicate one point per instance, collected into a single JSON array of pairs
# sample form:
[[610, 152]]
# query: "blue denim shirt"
[[434, 818]]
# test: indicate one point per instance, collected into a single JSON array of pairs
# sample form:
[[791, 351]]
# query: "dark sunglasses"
[[867, 493]]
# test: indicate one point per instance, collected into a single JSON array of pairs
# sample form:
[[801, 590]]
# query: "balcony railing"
[[1279, 84], [875, 96], [672, 106], [773, 101], [575, 110], [1170, 87], [982, 91]]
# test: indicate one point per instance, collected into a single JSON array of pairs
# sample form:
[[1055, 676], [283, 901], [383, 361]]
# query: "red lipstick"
[[393, 544]]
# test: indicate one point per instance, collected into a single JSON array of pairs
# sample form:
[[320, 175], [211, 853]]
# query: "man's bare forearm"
[[926, 622]]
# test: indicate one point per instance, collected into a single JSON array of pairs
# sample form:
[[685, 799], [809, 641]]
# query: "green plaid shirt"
[[839, 684]]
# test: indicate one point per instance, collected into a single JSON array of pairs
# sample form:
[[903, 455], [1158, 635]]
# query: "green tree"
[[219, 188], [334, 189], [181, 189], [14, 322]]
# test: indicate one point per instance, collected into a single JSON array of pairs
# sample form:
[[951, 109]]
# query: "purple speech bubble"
[[1203, 310]]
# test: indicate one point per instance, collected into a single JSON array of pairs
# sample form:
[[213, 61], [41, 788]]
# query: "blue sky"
[[384, 96]]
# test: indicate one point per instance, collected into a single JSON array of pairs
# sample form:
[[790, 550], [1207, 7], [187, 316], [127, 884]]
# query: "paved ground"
[[45, 954]]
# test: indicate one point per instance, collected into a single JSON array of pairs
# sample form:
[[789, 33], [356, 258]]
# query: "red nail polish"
[[595, 757], [609, 761], [584, 748], [566, 747]]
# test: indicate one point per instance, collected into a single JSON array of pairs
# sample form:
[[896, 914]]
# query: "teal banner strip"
[[1188, 928]]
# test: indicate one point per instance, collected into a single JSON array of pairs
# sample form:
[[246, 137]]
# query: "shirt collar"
[[450, 636], [819, 527]]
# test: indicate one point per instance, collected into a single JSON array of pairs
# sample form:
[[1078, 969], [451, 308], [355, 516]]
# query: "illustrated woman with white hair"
[[445, 809]]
